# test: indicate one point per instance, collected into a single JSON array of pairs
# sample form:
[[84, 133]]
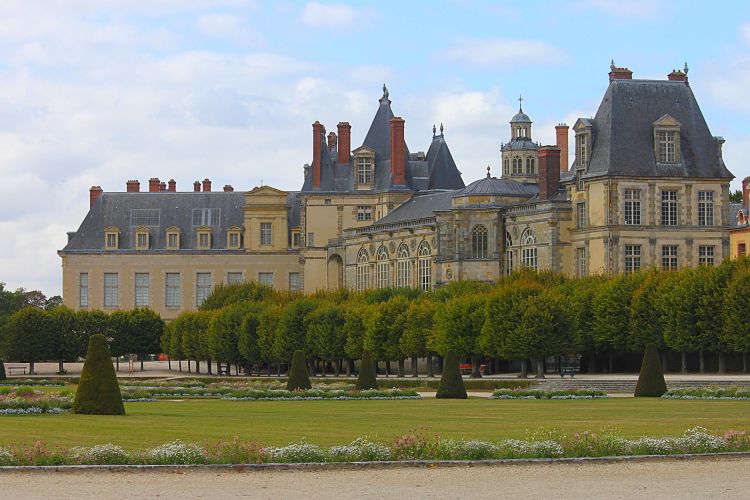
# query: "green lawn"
[[338, 422]]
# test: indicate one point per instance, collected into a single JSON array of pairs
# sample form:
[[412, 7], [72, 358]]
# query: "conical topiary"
[[367, 378], [98, 391], [299, 379], [451, 382], [651, 380], [2, 370]]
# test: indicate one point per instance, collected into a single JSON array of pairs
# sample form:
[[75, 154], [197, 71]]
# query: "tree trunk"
[[208, 362], [540, 368], [592, 363], [278, 370], [611, 361], [236, 369], [387, 368], [180, 363], [337, 367], [664, 361], [722, 362], [430, 369], [169, 363], [401, 368], [475, 367], [142, 356], [197, 366], [744, 362], [414, 366], [324, 366], [60, 367], [440, 364], [702, 360], [348, 367], [31, 368], [524, 372], [683, 362], [117, 364]]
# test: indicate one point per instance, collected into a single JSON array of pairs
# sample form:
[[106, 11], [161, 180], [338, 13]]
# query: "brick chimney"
[[561, 131], [616, 73], [318, 132], [228, 188], [206, 185], [172, 185], [549, 171], [331, 141], [677, 76], [94, 193], [133, 186], [153, 185], [345, 142], [745, 192], [162, 186], [196, 187], [397, 151]]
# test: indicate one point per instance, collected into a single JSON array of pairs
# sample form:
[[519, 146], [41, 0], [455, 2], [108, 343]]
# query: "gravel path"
[[684, 479]]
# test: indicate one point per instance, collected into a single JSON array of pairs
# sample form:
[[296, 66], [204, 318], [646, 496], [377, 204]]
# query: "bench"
[[16, 369]]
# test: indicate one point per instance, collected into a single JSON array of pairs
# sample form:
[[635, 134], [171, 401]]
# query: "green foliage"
[[611, 306], [291, 331], [545, 326], [66, 345], [384, 327], [651, 380], [298, 378], [267, 324], [503, 314], [736, 312], [190, 329], [247, 342], [735, 196], [451, 383], [380, 295], [2, 370], [223, 332], [367, 378], [458, 324], [646, 322], [98, 392], [418, 327], [224, 295], [354, 329], [580, 295], [325, 331], [29, 335]]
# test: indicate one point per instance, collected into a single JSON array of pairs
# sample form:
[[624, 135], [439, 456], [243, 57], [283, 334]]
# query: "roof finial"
[[434, 130], [441, 129], [385, 91], [612, 66], [488, 171], [686, 68], [520, 102]]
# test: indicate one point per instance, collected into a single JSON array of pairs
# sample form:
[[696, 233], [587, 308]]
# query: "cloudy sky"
[[95, 92]]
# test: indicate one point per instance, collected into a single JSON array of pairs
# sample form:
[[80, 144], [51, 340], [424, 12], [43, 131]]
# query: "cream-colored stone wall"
[[738, 237]]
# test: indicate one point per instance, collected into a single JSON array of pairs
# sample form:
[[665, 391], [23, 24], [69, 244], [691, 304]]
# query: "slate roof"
[[520, 117], [492, 186], [623, 137], [520, 143], [420, 206], [175, 209], [734, 209]]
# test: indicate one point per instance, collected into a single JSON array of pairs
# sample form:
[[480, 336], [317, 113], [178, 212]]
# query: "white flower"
[[177, 453]]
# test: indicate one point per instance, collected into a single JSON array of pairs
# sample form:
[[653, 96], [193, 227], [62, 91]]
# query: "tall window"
[[234, 278], [83, 290], [741, 249], [528, 255], [364, 212], [111, 290], [424, 266], [141, 240], [293, 282], [579, 179], [705, 208], [206, 216], [173, 240], [506, 166], [111, 240], [530, 166], [363, 270], [266, 237], [141, 290], [234, 239], [632, 258], [706, 255], [364, 170], [669, 208], [479, 242], [403, 266], [632, 206], [666, 146], [265, 279], [669, 257], [172, 290], [382, 269], [517, 166], [581, 261], [581, 152], [204, 239], [508, 254], [202, 287], [581, 214]]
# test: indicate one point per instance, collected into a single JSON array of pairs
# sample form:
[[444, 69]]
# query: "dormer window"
[[582, 158], [364, 170], [667, 140], [666, 146], [203, 237], [111, 238], [173, 238], [141, 239], [364, 162], [233, 238], [296, 239]]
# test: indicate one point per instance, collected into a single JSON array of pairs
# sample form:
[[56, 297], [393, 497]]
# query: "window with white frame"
[[364, 170], [202, 287], [517, 165], [173, 240], [579, 179], [234, 278], [479, 242], [669, 208], [403, 266], [293, 282], [581, 262], [669, 257], [632, 206], [172, 290], [706, 255], [142, 290], [204, 240], [508, 254], [144, 217], [382, 268], [111, 290], [83, 290], [206, 216], [363, 270], [111, 240], [266, 236], [265, 279], [667, 149], [364, 212], [581, 150], [424, 266], [506, 166], [632, 258], [530, 167], [233, 238], [705, 208], [581, 215], [528, 253]]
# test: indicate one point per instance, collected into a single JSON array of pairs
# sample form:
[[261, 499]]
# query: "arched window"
[[528, 253], [517, 165], [403, 266], [508, 254], [424, 266], [479, 242], [530, 166], [383, 274], [363, 270], [506, 166]]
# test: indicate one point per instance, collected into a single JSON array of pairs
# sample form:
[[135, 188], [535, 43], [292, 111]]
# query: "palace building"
[[647, 187]]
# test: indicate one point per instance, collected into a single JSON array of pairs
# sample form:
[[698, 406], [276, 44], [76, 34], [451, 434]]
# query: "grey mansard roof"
[[175, 210], [623, 132], [420, 206], [492, 186]]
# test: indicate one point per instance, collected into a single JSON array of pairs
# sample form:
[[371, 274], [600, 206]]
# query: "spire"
[[520, 101], [385, 95], [612, 66], [441, 129], [685, 69], [488, 172], [434, 130]]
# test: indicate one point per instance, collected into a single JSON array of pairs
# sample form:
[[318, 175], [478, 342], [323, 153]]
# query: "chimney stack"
[[133, 186], [331, 141], [318, 132], [549, 171], [397, 151], [228, 188], [616, 73], [345, 142], [745, 192], [196, 187], [206, 186], [677, 76], [562, 143], [172, 185], [94, 193], [162, 186], [153, 185]]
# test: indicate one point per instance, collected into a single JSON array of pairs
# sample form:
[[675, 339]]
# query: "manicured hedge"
[[98, 391]]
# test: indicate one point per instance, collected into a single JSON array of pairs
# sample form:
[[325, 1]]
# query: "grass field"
[[339, 422]]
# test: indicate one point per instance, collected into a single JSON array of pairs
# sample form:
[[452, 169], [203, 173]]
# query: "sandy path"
[[684, 479]]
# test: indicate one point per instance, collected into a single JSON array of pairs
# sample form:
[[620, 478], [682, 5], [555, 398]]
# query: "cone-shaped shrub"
[[451, 383], [98, 392], [651, 380], [366, 378], [2, 370], [299, 379]]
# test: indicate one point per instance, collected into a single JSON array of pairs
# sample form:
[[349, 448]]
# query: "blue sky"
[[95, 92]]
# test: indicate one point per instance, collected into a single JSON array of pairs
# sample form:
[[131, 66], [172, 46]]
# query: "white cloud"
[[504, 51], [330, 15]]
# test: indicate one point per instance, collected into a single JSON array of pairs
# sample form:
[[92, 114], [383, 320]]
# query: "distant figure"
[[131, 364]]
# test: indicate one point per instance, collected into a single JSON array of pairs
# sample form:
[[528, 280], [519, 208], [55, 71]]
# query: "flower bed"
[[317, 394], [408, 447], [33, 382], [726, 393], [540, 394], [25, 401]]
